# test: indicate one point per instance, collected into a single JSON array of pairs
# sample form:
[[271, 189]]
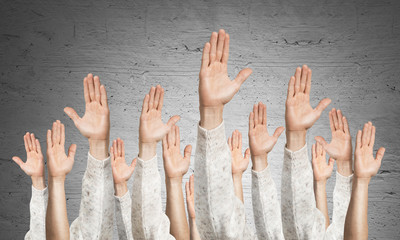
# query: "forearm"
[[320, 199], [194, 233], [38, 182], [57, 226], [147, 150], [295, 140], [99, 148], [356, 225], [176, 209], [237, 184], [120, 189], [211, 117], [345, 168]]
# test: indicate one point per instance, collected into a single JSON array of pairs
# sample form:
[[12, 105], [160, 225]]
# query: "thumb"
[[187, 152], [18, 161], [380, 153], [322, 105], [132, 166], [247, 154], [72, 114], [72, 151], [321, 141], [172, 121], [242, 76], [278, 131]]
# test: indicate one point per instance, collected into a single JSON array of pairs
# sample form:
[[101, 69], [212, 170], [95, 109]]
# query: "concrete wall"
[[47, 47]]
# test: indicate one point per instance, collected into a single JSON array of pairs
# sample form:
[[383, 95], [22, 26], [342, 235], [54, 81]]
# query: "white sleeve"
[[123, 216], [37, 208]]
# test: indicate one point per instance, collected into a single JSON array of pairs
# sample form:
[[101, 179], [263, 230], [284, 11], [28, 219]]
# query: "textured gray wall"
[[47, 47]]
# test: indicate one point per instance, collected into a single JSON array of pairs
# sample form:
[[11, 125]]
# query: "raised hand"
[[120, 170], [58, 163], [95, 123], [365, 164], [239, 162], [322, 170], [300, 116], [175, 165], [340, 147], [189, 187], [152, 129], [261, 143], [34, 165]]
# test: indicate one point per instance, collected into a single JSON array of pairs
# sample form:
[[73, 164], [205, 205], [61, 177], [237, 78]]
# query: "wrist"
[[56, 180], [237, 176], [295, 140], [120, 189], [345, 168], [260, 162], [320, 182], [147, 150], [99, 148], [173, 181], [211, 117], [361, 181], [38, 183]]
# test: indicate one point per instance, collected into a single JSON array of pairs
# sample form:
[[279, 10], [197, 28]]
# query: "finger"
[[234, 140], [331, 163], [86, 90], [213, 51], [303, 79], [322, 105], [62, 135], [255, 110], [145, 106], [33, 141], [27, 148], [346, 126], [297, 76], [114, 148], [313, 152], [225, 54], [379, 154], [260, 112], [38, 147], [49, 141], [247, 154], [220, 44], [278, 132], [112, 155], [172, 121], [187, 152], [331, 123], [242, 76], [335, 119], [54, 133], [230, 143], [308, 83], [18, 161], [251, 120], [161, 101], [103, 96], [290, 91], [119, 147], [205, 60], [152, 93], [72, 114], [72, 151], [318, 149], [358, 140], [366, 135], [29, 141], [321, 141], [240, 140], [372, 138], [171, 136], [122, 148], [96, 81], [340, 120], [177, 137], [58, 132], [91, 87], [264, 120], [369, 133], [165, 142], [157, 96], [237, 139]]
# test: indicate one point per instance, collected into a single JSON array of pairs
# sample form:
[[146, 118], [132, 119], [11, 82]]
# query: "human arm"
[[175, 167], [239, 162], [365, 167], [189, 188], [59, 165]]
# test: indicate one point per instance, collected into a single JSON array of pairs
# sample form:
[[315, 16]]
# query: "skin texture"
[[59, 165], [95, 123], [239, 162], [340, 147], [261, 143], [365, 167], [175, 166], [299, 114], [151, 128], [120, 170], [34, 164], [189, 187], [322, 171], [216, 88]]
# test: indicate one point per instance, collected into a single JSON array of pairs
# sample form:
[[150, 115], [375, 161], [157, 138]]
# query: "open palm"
[[299, 114], [189, 188], [239, 162], [175, 165], [322, 170], [216, 88], [260, 141], [34, 165], [120, 170]]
